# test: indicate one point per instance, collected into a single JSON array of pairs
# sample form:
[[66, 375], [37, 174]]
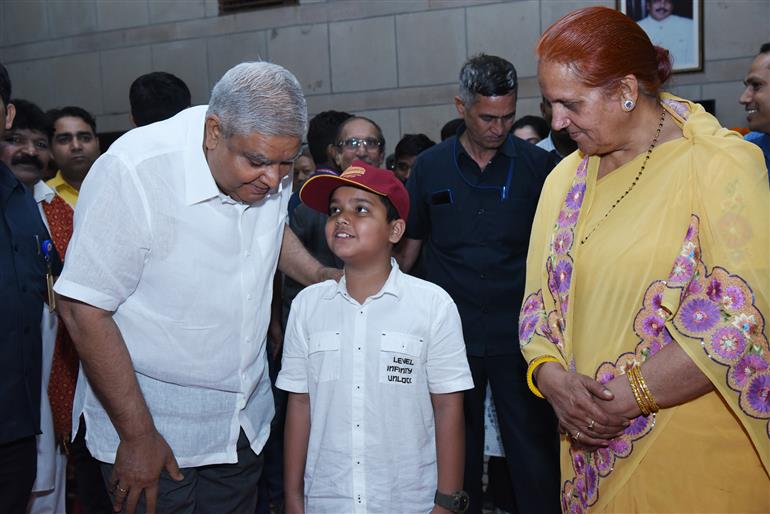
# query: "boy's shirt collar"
[[391, 286]]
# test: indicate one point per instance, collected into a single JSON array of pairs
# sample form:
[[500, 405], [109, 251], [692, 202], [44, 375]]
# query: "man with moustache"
[[26, 152], [756, 100], [74, 147], [23, 270], [672, 32], [473, 200]]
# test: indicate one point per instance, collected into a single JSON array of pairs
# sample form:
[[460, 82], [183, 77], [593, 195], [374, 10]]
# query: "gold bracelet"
[[531, 371], [653, 406], [635, 388]]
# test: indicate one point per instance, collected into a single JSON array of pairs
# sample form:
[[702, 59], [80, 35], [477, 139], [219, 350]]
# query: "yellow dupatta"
[[684, 257]]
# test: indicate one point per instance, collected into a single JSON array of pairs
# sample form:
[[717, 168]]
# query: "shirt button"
[[480, 212]]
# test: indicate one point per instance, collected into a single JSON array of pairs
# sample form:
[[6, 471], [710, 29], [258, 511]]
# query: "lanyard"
[[504, 189]]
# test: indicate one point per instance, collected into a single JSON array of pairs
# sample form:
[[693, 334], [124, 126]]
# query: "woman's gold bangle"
[[531, 371], [642, 394]]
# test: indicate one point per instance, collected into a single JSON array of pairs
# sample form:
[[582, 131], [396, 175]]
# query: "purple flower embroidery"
[[637, 426], [562, 242], [700, 315], [578, 462], [620, 446], [682, 270], [575, 196], [654, 347], [693, 288], [605, 377], [567, 219], [728, 343], [603, 460], [758, 393], [652, 325], [690, 232], [747, 367], [714, 290], [533, 303], [527, 327], [591, 481], [562, 275], [733, 298], [657, 301]]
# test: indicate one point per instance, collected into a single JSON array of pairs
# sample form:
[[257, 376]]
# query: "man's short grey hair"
[[259, 97], [486, 75]]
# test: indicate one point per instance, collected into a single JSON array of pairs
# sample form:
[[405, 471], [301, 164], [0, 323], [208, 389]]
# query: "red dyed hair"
[[602, 45]]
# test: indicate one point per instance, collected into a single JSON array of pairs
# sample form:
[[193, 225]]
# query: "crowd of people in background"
[[568, 309]]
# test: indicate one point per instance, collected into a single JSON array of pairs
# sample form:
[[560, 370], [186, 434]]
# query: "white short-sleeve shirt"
[[188, 273], [369, 370]]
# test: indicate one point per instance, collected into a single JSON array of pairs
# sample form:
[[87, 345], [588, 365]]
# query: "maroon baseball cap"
[[317, 190]]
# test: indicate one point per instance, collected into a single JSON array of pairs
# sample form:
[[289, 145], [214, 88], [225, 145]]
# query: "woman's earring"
[[628, 105]]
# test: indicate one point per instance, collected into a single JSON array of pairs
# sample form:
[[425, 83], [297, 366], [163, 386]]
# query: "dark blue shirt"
[[475, 227], [22, 290], [762, 140]]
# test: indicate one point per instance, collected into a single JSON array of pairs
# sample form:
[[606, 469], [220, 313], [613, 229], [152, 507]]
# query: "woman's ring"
[[120, 489], [576, 436], [590, 425]]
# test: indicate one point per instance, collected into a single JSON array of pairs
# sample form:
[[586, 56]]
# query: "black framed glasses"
[[354, 143]]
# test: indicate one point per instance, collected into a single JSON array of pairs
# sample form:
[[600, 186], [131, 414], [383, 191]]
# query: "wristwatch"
[[456, 501]]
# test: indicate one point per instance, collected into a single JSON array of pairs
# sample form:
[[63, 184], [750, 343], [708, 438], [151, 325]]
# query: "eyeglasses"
[[353, 143]]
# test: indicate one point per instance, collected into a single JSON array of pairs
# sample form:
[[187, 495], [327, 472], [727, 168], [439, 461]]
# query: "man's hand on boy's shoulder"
[[330, 274]]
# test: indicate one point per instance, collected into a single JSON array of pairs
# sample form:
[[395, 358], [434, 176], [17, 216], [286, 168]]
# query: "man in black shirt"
[[473, 200], [22, 289]]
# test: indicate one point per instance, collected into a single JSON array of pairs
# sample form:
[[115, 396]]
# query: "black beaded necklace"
[[636, 179]]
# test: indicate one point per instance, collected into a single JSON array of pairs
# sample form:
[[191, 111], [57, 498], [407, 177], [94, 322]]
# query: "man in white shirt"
[[167, 291], [674, 33]]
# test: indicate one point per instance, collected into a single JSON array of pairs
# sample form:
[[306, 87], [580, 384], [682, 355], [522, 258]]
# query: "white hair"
[[259, 97]]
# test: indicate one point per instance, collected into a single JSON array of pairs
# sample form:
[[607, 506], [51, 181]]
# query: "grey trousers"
[[214, 489]]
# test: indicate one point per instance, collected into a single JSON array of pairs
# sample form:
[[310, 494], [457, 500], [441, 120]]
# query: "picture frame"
[[676, 25]]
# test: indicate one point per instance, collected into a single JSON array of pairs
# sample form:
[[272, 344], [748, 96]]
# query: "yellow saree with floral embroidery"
[[682, 259]]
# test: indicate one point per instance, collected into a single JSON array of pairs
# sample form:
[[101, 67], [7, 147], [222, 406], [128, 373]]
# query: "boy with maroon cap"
[[375, 366]]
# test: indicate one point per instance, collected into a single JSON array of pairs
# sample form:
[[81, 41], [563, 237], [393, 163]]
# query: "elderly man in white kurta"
[[167, 289]]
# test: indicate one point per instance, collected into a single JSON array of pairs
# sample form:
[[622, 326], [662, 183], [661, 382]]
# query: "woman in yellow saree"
[[644, 320]]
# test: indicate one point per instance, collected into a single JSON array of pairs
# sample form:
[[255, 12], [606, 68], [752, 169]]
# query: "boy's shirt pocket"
[[401, 358], [324, 356]]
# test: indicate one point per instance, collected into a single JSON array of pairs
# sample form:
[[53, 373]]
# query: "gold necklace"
[[636, 179]]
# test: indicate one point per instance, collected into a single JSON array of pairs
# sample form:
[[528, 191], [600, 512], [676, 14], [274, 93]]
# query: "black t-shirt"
[[476, 227]]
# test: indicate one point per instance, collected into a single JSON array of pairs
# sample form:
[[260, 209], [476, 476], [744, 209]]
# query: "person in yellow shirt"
[[74, 147]]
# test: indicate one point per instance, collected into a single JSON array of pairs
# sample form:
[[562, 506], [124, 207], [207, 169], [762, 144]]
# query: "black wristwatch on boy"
[[456, 501]]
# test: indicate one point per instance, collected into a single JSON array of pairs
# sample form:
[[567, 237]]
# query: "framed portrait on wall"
[[676, 25]]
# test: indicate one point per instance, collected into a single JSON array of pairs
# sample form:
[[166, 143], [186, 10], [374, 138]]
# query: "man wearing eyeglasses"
[[359, 138], [473, 200]]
